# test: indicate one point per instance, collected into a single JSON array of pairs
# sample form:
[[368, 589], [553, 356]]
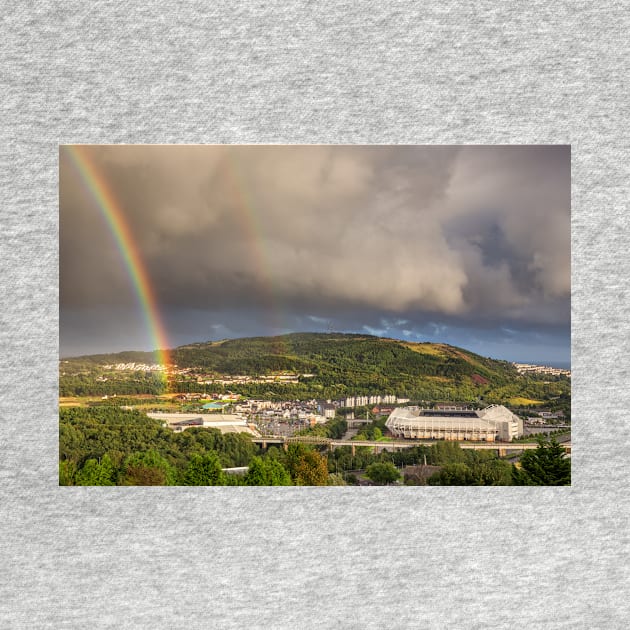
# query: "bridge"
[[502, 447]]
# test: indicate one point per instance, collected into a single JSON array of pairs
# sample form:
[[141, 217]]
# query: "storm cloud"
[[359, 237]]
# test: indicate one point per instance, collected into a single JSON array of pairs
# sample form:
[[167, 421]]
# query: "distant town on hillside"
[[307, 409]]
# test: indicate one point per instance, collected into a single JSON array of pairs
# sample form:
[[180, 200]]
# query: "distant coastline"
[[563, 365]]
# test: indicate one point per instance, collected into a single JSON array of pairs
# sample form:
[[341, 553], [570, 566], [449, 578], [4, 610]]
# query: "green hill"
[[336, 365], [340, 356]]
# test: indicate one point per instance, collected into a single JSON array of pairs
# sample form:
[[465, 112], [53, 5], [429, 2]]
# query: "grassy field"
[[71, 401], [425, 348], [522, 402]]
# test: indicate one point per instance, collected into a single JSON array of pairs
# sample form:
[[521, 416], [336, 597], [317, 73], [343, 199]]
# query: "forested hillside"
[[334, 354], [328, 365]]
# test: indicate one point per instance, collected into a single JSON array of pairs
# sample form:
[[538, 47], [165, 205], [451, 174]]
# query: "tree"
[[307, 467], [495, 472], [312, 470], [545, 466], [382, 473], [455, 474], [67, 471], [445, 452], [95, 473], [141, 475], [267, 472], [335, 479], [108, 472], [204, 470], [148, 468]]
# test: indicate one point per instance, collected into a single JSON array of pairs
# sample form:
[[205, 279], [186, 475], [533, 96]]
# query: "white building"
[[226, 423], [492, 423]]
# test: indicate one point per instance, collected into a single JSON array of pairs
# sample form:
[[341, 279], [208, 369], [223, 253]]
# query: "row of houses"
[[528, 368]]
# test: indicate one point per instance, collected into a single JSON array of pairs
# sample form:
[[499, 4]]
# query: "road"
[[400, 444]]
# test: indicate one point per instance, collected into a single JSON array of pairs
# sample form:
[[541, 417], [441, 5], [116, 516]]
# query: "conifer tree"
[[545, 466]]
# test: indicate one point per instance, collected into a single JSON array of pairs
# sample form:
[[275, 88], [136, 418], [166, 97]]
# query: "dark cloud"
[[478, 237]]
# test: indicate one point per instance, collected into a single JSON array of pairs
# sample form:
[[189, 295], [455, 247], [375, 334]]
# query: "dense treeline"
[[110, 446], [92, 433], [128, 356], [139, 383], [474, 467], [90, 384], [547, 465]]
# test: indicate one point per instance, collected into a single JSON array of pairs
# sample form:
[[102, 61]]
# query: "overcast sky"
[[463, 245]]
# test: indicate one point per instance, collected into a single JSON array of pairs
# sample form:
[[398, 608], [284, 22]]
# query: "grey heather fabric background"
[[299, 72]]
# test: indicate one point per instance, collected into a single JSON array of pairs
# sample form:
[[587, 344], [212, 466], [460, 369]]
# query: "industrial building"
[[226, 423], [490, 424]]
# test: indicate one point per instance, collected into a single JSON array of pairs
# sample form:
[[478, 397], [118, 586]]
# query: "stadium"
[[494, 423]]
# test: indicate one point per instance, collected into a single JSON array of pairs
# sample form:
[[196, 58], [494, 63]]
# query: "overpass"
[[502, 447]]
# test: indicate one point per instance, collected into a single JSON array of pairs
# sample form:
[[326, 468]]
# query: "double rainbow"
[[246, 214]]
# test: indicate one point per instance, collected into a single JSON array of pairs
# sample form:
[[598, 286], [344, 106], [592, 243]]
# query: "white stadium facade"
[[494, 423]]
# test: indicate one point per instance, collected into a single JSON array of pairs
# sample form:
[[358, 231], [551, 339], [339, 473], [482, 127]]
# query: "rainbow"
[[112, 212], [251, 227]]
